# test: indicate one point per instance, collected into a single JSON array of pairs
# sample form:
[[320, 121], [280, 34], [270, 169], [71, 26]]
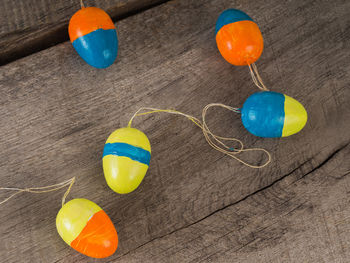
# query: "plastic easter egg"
[[94, 36], [87, 228], [238, 38], [126, 157], [272, 114]]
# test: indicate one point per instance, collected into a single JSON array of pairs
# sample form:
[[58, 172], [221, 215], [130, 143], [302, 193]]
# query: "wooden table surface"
[[195, 204]]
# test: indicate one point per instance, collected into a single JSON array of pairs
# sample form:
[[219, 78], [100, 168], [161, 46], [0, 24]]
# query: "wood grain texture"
[[28, 26], [194, 204], [300, 218]]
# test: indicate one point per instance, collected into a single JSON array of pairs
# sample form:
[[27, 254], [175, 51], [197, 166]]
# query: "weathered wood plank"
[[297, 219], [57, 112], [27, 27]]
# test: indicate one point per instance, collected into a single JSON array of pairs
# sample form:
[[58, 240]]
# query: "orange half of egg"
[[87, 228], [87, 20], [240, 43]]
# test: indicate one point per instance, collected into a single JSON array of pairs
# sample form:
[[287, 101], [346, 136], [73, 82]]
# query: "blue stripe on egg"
[[126, 150], [98, 48]]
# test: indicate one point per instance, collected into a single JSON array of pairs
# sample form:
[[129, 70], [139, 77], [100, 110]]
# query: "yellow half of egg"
[[295, 116]]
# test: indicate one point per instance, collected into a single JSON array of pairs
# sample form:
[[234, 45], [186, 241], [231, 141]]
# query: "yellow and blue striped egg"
[[272, 114], [126, 157]]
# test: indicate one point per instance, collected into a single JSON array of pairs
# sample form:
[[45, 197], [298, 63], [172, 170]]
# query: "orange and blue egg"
[[126, 157], [272, 114], [94, 36], [238, 38], [85, 227]]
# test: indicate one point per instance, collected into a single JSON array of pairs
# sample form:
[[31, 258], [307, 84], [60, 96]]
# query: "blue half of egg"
[[98, 48]]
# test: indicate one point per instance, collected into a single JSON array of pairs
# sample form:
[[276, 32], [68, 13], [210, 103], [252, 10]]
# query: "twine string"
[[82, 4], [215, 141], [254, 73], [40, 190]]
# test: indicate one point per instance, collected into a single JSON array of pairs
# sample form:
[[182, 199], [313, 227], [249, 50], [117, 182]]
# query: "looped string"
[[254, 73], [40, 190], [215, 141]]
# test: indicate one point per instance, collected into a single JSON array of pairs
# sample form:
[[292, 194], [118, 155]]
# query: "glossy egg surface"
[[126, 157], [272, 114], [94, 37], [238, 38], [87, 228]]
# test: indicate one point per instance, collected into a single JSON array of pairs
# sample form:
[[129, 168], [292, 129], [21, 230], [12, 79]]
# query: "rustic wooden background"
[[28, 26], [194, 204]]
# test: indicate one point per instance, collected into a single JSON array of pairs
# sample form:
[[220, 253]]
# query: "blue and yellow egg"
[[94, 37], [126, 157], [272, 114], [238, 38]]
